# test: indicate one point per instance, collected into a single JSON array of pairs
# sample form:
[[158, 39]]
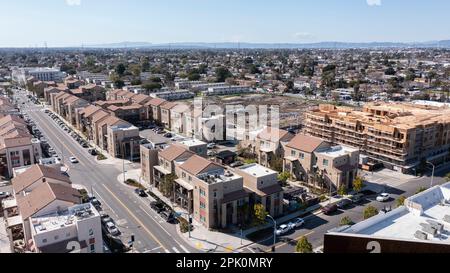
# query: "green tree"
[[284, 177], [222, 73], [304, 246], [276, 163], [342, 190], [401, 201], [152, 86], [120, 69], [260, 214], [358, 184], [346, 221], [390, 71], [167, 186], [370, 211]]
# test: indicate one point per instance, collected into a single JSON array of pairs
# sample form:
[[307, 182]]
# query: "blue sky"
[[73, 22]]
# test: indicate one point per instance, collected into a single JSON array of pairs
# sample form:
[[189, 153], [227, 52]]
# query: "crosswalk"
[[172, 250]]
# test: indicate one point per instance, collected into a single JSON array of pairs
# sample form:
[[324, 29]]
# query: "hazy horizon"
[[73, 23]]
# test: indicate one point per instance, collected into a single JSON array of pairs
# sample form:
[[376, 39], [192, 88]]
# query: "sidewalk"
[[109, 159], [5, 244], [206, 240]]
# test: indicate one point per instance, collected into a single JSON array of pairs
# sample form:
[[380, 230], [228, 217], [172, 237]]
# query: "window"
[[202, 192], [293, 153], [183, 175], [68, 234], [91, 232], [202, 205], [215, 194], [203, 218], [56, 237], [325, 162], [44, 241], [302, 155], [92, 248]]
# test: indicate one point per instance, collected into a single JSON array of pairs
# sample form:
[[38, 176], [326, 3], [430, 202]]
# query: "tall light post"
[[274, 232], [432, 173]]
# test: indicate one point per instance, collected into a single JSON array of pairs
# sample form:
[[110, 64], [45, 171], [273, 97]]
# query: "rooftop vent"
[[421, 235]]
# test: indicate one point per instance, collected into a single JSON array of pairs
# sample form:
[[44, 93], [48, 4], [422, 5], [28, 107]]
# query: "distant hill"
[[228, 45]]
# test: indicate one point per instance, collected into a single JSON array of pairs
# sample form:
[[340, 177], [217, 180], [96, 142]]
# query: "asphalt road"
[[317, 225], [131, 213]]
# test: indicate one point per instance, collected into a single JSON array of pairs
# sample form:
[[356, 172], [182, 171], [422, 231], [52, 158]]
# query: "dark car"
[[168, 135], [157, 206], [358, 198], [344, 203], [329, 209], [140, 192], [168, 216]]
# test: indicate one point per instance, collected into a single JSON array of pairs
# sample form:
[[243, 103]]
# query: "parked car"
[[84, 145], [105, 218], [92, 152], [168, 216], [211, 145], [95, 202], [157, 206], [140, 192], [298, 222], [329, 209], [112, 229], [236, 164], [4, 194], [283, 229], [344, 203], [384, 197], [168, 135]]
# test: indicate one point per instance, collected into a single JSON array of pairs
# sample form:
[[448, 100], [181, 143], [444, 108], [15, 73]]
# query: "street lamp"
[[274, 232], [432, 174]]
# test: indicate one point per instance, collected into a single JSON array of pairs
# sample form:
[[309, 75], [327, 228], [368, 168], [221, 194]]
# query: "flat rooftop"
[[192, 142], [337, 151], [63, 219], [429, 207], [257, 170]]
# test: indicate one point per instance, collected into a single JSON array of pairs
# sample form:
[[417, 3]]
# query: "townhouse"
[[166, 109], [17, 146], [270, 145], [47, 213], [90, 92], [154, 109]]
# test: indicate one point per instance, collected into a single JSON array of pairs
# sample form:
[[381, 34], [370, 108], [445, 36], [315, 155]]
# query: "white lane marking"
[[251, 250], [167, 251], [175, 249], [103, 201], [184, 249], [156, 248]]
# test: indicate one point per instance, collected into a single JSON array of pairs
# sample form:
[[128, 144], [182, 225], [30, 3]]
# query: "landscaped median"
[[134, 183]]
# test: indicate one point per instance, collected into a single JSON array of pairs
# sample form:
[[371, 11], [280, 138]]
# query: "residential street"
[[131, 213]]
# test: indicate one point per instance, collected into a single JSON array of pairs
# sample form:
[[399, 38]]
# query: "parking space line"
[[184, 249], [175, 249]]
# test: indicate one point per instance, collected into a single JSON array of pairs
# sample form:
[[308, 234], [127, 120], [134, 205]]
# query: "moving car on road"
[[73, 160], [298, 222], [283, 229], [384, 197]]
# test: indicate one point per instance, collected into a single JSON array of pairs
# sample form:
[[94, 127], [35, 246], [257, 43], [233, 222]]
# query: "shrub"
[[303, 246], [369, 212], [134, 183], [184, 225], [101, 157], [346, 221], [421, 189]]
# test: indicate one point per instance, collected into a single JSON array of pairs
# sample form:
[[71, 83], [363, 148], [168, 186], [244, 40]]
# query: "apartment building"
[[54, 90], [226, 90], [40, 73], [196, 146], [167, 159], [178, 118], [70, 106], [270, 145], [166, 110], [154, 109], [17, 146], [213, 194], [133, 113], [123, 141], [174, 95], [90, 92], [402, 136], [47, 213], [26, 179], [107, 103], [263, 186]]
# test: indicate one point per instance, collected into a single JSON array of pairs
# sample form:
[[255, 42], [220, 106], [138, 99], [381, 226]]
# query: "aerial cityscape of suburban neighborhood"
[[238, 149]]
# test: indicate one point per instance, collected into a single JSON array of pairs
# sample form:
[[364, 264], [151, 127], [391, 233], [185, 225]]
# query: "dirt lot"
[[291, 109]]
